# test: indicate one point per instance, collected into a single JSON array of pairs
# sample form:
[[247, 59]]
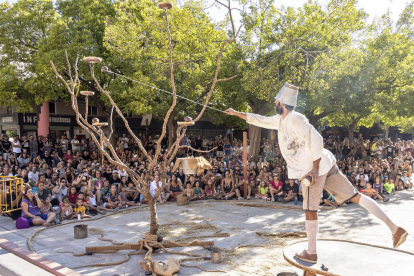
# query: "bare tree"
[[95, 131]]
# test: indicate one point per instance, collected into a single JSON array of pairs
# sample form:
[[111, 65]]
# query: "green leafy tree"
[[24, 29], [374, 90], [281, 45]]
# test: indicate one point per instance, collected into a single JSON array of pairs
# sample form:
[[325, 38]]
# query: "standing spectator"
[[47, 146], [25, 144], [330, 146], [227, 148], [268, 149], [157, 137], [17, 147], [125, 140], [360, 148], [378, 149], [199, 143], [145, 142], [40, 146], [75, 144], [33, 147], [58, 147], [346, 149], [6, 144], [64, 143], [390, 149]]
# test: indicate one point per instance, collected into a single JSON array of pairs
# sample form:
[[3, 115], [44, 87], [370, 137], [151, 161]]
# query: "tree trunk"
[[350, 133], [255, 138], [112, 140], [154, 218], [255, 133], [387, 132], [351, 128], [171, 129]]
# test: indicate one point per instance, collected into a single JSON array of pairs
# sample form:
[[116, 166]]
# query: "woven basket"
[[87, 93], [182, 200], [92, 60]]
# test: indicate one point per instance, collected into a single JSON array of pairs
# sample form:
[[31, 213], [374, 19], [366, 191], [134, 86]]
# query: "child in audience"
[[90, 197], [124, 199], [371, 192], [133, 194], [56, 194], [210, 190], [46, 206], [379, 187], [66, 210], [73, 195], [198, 192], [188, 191], [389, 186], [88, 205], [263, 189], [80, 208]]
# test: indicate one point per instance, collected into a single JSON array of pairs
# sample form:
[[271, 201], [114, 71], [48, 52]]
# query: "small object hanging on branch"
[[188, 122], [100, 124], [165, 5], [95, 120], [92, 60], [87, 93], [104, 69]]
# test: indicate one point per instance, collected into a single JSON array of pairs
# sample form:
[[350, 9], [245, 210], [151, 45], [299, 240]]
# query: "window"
[[52, 108], [92, 110]]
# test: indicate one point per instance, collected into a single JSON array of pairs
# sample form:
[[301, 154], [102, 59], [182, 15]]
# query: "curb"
[[37, 260]]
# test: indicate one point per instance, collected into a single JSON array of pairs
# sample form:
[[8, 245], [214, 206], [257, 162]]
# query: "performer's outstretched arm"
[[233, 112], [255, 119]]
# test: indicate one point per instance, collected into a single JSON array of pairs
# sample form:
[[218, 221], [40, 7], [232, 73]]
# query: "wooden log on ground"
[[96, 249], [136, 246], [168, 244]]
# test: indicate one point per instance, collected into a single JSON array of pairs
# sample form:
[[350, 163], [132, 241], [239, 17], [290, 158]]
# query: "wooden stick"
[[245, 176], [168, 244], [135, 246]]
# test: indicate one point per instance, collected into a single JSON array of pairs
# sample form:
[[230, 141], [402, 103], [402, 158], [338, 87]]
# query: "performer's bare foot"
[[399, 237], [304, 256]]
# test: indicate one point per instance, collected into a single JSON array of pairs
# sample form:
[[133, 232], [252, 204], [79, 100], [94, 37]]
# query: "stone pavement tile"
[[348, 223]]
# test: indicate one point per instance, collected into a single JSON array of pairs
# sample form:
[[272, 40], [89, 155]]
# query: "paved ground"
[[206, 217], [11, 265]]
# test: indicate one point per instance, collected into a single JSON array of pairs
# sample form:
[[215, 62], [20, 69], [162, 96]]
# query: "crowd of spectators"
[[67, 178]]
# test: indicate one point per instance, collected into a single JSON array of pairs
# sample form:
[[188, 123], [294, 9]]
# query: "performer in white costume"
[[302, 148]]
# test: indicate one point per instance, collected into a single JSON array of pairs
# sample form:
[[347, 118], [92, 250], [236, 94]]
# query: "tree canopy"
[[351, 71]]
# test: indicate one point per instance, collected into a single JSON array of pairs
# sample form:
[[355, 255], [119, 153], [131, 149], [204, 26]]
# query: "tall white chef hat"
[[288, 94]]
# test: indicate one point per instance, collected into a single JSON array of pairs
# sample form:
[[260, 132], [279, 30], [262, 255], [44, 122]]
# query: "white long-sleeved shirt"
[[299, 142], [154, 186]]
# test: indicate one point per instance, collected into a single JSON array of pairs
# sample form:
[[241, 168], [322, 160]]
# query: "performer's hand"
[[230, 111], [314, 173]]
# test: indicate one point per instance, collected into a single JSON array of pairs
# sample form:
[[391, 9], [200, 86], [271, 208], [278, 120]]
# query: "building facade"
[[61, 118]]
